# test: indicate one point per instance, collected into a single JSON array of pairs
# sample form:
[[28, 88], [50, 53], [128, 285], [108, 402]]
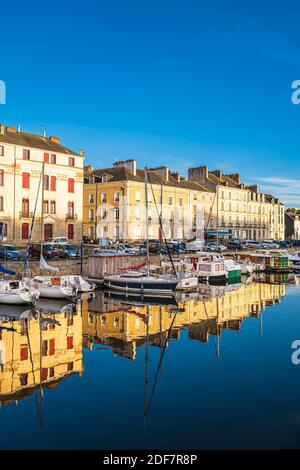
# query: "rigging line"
[[214, 340], [32, 365], [208, 220], [32, 223], [160, 362], [161, 226]]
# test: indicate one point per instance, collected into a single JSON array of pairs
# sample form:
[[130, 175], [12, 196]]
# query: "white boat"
[[17, 293], [185, 281], [208, 266], [141, 283], [52, 287], [78, 283]]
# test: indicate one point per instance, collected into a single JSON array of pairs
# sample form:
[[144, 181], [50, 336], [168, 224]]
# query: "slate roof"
[[26, 139]]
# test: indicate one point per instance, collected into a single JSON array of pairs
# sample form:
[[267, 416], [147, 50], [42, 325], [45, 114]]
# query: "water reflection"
[[125, 327], [38, 349]]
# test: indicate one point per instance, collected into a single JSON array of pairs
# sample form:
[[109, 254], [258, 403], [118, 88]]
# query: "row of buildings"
[[75, 200]]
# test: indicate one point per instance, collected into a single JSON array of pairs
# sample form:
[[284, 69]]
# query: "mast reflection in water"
[[184, 374]]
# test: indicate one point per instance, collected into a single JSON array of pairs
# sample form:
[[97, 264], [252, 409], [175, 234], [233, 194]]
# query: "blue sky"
[[180, 83]]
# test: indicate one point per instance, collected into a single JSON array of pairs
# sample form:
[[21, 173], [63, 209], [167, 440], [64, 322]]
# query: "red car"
[[49, 252]]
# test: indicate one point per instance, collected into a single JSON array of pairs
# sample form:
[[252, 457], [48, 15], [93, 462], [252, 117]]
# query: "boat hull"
[[141, 287], [54, 292]]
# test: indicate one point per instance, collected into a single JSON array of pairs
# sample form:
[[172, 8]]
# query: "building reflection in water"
[[124, 327], [38, 351]]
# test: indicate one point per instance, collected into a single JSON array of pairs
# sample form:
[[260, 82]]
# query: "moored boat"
[[141, 283], [17, 293], [78, 283], [52, 287]]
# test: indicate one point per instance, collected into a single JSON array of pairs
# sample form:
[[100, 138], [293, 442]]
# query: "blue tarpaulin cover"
[[6, 271]]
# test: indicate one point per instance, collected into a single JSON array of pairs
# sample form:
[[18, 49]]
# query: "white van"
[[59, 241]]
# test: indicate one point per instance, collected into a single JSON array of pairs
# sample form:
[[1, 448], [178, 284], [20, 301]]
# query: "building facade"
[[23, 159], [292, 225], [239, 209], [115, 204]]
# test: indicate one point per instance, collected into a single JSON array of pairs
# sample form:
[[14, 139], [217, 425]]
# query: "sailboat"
[[138, 282]]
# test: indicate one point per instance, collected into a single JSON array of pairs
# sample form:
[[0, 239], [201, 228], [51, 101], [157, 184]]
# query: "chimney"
[[254, 188], [88, 169], [235, 177], [176, 176], [81, 152], [163, 172], [199, 173], [11, 130], [217, 173], [130, 165], [54, 139], [2, 129]]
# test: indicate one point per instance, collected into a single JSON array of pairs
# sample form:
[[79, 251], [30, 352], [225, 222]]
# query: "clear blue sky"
[[183, 83]]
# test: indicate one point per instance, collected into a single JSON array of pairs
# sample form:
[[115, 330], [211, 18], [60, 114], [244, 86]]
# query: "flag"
[[6, 271]]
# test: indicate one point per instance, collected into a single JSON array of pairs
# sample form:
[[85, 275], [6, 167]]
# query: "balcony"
[[72, 217], [25, 215]]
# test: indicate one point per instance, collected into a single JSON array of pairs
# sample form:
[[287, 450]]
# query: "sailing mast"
[[147, 220], [42, 209]]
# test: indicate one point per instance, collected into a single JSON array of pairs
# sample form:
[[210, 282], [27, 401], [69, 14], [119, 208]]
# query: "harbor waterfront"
[[169, 376]]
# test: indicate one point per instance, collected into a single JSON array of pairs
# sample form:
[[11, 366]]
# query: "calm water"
[[210, 373]]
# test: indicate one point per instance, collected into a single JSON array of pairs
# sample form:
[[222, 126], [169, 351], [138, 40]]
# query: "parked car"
[[153, 248], [285, 244], [59, 241], [237, 246], [269, 244], [130, 249], [214, 247], [49, 252], [68, 251], [86, 240], [253, 244], [296, 242], [9, 252]]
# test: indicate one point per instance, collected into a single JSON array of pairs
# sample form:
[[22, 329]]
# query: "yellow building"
[[114, 203], [240, 209], [124, 328], [22, 156], [31, 356]]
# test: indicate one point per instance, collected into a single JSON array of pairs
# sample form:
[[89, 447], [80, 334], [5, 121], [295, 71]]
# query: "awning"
[[215, 233]]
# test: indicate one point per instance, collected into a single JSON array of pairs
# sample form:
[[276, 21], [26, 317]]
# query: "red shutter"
[[71, 185], [44, 374], [25, 180], [53, 183], [46, 157], [69, 342], [24, 352], [51, 347], [25, 231], [70, 231]]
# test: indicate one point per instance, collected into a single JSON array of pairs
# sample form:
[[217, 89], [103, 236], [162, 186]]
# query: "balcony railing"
[[71, 217]]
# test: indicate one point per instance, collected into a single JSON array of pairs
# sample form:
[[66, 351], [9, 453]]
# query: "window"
[[103, 214], [91, 198], [44, 374], [138, 214], [44, 347], [24, 352], [53, 158], [117, 214], [91, 214], [138, 196], [116, 322], [52, 207], [69, 342], [23, 380], [46, 157], [149, 197], [70, 320], [25, 180], [195, 197], [70, 366], [1, 203], [71, 161], [25, 231], [103, 320], [25, 207], [117, 197], [91, 232], [26, 154], [1, 151], [1, 177], [51, 372], [180, 201], [46, 182], [170, 200], [71, 185], [71, 210], [103, 197], [46, 207], [53, 183]]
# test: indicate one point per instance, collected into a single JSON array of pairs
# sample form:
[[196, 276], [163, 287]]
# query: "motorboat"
[[141, 283], [17, 293], [78, 283], [233, 271], [53, 287], [187, 280], [208, 266]]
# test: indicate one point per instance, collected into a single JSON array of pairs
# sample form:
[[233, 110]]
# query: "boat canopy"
[[216, 233]]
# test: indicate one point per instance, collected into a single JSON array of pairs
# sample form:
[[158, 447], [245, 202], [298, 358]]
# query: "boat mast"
[[217, 216], [42, 207], [147, 221]]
